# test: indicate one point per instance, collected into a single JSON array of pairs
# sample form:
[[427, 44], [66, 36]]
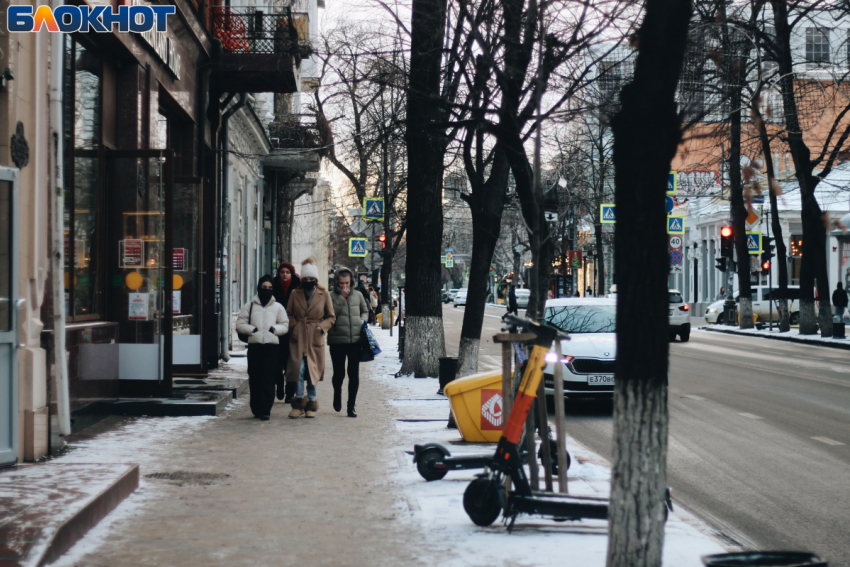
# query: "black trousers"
[[283, 360], [262, 371], [338, 355]]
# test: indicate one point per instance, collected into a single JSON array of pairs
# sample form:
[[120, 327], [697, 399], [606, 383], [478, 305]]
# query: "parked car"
[[460, 297], [588, 357], [450, 296], [522, 296], [680, 316], [761, 306], [612, 292]]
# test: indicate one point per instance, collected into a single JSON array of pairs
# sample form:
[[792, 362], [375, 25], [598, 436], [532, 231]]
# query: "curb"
[[810, 342], [73, 529]]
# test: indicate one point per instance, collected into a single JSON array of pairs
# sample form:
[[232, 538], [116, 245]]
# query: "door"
[[140, 268], [8, 316], [187, 308]]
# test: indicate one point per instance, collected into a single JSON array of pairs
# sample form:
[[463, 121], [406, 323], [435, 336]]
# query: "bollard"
[[401, 342], [448, 371], [838, 329], [764, 559], [386, 318]]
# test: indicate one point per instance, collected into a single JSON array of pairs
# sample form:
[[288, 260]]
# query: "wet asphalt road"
[[759, 436]]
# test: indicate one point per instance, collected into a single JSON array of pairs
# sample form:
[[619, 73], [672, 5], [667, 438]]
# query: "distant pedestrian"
[[839, 301], [312, 315], [361, 287], [344, 337], [512, 305], [375, 303], [401, 306], [264, 320], [721, 295], [588, 292], [284, 284]]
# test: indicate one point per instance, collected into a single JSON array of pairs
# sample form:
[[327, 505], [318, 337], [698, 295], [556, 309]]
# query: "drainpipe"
[[57, 231], [225, 231]]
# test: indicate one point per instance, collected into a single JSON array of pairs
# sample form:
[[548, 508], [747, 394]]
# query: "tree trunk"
[[424, 338], [739, 213], [814, 233], [486, 204], [641, 164]]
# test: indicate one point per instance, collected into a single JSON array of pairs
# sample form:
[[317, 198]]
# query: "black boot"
[[351, 412], [337, 398], [280, 386]]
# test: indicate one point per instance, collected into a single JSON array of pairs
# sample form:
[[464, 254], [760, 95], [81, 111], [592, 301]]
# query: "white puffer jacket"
[[273, 315]]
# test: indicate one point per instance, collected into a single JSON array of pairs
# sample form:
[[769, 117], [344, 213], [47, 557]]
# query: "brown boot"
[[312, 408], [298, 405]]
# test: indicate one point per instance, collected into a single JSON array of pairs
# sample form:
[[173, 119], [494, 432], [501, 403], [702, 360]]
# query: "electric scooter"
[[485, 496], [434, 461]]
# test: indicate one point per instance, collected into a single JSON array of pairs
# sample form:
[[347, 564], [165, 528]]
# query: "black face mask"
[[264, 295], [308, 285]]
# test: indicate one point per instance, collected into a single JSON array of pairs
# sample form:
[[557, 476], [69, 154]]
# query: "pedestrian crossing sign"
[[442, 259], [672, 183], [607, 214], [357, 247], [675, 225], [373, 209], [450, 262], [754, 242]]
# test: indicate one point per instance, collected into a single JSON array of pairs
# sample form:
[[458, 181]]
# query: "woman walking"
[[373, 300], [264, 320], [284, 284], [312, 315], [344, 337]]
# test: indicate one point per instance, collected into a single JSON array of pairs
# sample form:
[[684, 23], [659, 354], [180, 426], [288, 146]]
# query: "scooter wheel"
[[481, 501], [553, 453], [425, 465]]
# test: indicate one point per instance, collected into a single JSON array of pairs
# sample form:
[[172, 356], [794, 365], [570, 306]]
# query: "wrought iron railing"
[[295, 131], [247, 30]]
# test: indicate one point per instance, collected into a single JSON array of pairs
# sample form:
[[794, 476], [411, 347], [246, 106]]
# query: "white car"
[[588, 357], [522, 296], [680, 317], [460, 297], [761, 306]]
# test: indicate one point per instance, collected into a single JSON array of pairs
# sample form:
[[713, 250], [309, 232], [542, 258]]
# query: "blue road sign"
[[672, 183], [357, 247], [607, 214], [675, 257], [675, 225], [754, 242], [670, 204], [373, 209]]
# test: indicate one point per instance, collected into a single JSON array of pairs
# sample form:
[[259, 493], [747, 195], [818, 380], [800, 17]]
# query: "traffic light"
[[767, 253], [726, 243], [720, 264], [383, 240]]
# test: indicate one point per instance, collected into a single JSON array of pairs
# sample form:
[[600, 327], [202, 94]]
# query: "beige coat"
[[307, 331]]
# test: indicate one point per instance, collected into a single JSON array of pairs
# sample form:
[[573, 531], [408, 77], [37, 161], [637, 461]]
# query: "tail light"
[[684, 307]]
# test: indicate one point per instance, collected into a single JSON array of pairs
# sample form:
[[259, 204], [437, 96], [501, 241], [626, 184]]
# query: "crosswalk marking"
[[827, 440], [698, 398], [750, 415]]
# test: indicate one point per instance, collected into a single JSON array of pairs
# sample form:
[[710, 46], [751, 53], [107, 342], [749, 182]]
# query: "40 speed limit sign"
[[675, 242]]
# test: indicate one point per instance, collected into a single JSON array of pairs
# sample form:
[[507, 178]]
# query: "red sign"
[[179, 259], [491, 410], [574, 258], [131, 253]]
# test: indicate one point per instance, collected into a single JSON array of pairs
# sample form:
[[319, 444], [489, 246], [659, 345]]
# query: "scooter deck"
[[559, 507]]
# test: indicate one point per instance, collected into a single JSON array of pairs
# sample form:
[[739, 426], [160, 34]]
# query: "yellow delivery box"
[[477, 406]]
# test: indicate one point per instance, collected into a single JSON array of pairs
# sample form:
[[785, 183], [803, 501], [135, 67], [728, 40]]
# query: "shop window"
[[84, 205]]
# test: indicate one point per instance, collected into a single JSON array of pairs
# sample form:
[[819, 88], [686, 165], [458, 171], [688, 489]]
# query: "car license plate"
[[601, 380]]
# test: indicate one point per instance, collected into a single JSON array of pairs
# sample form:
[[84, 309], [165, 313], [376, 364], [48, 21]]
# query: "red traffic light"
[[765, 266], [726, 231], [383, 238]]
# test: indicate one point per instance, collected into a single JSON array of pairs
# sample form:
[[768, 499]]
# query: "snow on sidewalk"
[[436, 508], [790, 336]]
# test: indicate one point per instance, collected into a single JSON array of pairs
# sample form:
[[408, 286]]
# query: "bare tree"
[[648, 104]]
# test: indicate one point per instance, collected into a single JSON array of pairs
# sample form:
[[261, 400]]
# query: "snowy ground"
[[436, 507], [792, 336]]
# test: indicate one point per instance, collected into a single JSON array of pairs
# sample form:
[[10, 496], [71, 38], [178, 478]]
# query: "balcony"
[[260, 52], [292, 136]]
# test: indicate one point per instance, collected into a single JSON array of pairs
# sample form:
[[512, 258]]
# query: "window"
[[83, 203], [583, 318], [609, 80], [817, 45]]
